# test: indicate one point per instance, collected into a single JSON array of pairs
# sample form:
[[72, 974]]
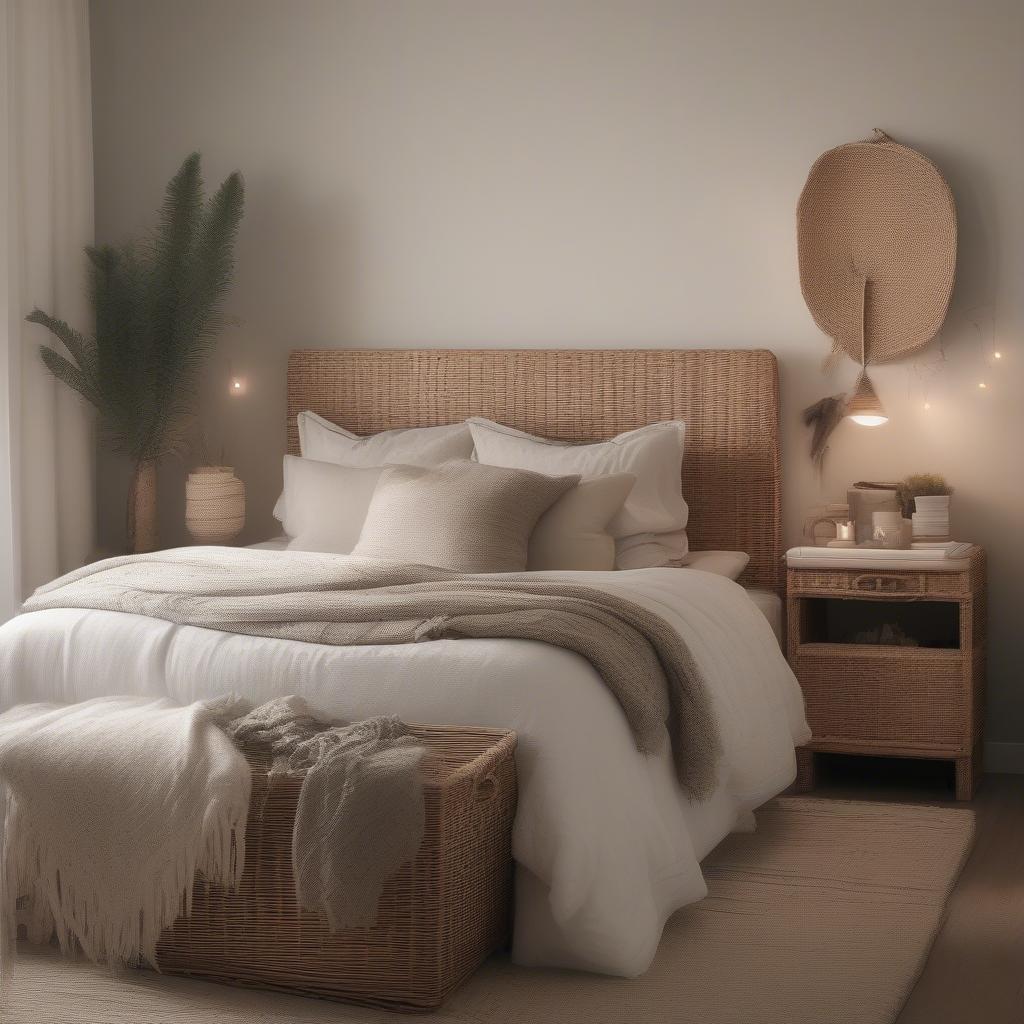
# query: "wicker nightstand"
[[868, 694]]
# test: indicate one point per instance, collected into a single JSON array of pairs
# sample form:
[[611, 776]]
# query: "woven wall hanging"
[[876, 243]]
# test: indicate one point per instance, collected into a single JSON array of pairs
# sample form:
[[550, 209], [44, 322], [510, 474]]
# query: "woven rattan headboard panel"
[[729, 400]]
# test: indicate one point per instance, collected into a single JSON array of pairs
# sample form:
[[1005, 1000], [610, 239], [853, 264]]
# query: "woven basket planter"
[[439, 917], [214, 505]]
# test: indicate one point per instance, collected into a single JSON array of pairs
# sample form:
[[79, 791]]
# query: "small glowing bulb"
[[982, 385], [997, 355], [927, 405], [237, 385]]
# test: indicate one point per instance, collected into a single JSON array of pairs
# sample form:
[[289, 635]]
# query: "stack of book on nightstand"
[[953, 556]]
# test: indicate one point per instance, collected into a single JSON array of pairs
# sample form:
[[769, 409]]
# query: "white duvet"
[[606, 844]]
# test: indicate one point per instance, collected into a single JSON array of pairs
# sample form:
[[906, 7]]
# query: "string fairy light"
[[925, 370], [982, 320]]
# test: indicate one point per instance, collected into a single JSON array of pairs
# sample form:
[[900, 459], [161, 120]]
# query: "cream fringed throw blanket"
[[331, 599], [110, 808]]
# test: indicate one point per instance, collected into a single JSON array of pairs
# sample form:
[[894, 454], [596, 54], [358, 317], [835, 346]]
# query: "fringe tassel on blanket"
[[105, 925], [106, 843]]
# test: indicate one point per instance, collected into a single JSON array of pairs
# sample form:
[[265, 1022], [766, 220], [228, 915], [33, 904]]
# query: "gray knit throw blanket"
[[332, 599], [360, 812]]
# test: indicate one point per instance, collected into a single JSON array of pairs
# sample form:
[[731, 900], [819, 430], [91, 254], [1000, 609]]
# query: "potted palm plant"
[[158, 307]]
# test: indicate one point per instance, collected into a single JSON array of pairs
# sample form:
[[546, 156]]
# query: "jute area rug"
[[824, 916]]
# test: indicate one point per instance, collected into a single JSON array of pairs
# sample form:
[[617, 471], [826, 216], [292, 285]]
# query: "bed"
[[607, 845]]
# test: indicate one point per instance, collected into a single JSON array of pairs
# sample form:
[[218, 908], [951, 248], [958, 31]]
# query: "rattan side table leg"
[[804, 770], [967, 770]]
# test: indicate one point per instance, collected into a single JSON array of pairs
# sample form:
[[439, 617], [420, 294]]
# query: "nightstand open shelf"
[[928, 624], [892, 663]]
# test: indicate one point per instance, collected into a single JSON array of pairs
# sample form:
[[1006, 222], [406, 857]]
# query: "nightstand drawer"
[[879, 583], [885, 694]]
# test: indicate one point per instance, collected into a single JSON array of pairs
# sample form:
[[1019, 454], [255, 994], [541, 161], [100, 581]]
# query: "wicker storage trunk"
[[439, 917]]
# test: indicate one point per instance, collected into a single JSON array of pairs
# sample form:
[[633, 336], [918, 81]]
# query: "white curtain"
[[47, 501]]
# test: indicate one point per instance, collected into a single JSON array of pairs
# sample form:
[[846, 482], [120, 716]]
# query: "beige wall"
[[572, 173]]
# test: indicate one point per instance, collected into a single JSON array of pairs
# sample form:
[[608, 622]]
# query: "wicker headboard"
[[729, 400]]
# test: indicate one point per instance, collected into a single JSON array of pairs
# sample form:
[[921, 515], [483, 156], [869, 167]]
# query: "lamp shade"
[[214, 505], [863, 406]]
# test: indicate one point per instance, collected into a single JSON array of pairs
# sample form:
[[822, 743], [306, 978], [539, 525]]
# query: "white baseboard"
[[1004, 758]]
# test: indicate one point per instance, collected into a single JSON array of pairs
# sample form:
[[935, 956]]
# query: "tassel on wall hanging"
[[876, 242]]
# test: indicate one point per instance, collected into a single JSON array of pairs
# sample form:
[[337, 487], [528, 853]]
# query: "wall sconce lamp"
[[863, 406]]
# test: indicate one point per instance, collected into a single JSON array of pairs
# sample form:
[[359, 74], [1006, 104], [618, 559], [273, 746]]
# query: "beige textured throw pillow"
[[573, 533], [460, 516]]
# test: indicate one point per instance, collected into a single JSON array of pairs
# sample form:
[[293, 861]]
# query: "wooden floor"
[[975, 974]]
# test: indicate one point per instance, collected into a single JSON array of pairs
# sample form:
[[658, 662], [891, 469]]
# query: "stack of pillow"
[[482, 497]]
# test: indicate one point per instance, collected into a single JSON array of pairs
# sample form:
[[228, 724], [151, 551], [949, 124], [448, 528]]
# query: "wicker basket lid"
[[876, 236]]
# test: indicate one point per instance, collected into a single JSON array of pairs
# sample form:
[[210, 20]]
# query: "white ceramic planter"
[[931, 518], [932, 503]]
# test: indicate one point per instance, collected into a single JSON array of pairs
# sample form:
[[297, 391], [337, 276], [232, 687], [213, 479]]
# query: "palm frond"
[[158, 312], [66, 371], [215, 244], [82, 350], [171, 242]]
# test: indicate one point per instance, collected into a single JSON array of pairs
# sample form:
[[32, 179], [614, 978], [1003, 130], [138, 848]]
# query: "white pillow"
[[654, 510], [325, 441], [325, 505], [721, 563], [573, 533], [415, 446]]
